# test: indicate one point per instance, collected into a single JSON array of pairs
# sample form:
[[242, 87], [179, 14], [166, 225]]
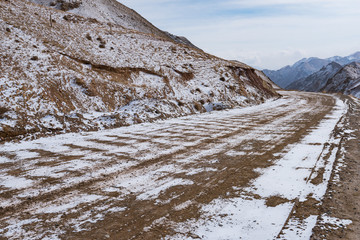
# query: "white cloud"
[[282, 32]]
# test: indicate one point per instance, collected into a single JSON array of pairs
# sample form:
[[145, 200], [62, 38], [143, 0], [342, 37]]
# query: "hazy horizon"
[[262, 33]]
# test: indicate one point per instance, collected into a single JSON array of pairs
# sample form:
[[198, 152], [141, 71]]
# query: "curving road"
[[254, 173]]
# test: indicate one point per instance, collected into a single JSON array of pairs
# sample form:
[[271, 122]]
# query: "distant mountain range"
[[302, 69], [316, 81], [346, 81]]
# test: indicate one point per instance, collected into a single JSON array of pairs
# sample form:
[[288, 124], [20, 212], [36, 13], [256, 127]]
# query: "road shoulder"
[[340, 207]]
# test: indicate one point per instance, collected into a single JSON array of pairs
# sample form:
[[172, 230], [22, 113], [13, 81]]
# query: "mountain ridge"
[[316, 81], [346, 81], [112, 12], [304, 68]]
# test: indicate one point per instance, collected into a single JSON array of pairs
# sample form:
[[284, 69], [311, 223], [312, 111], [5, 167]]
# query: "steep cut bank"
[[62, 72]]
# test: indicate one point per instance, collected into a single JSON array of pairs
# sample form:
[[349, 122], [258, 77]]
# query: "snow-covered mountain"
[[346, 81], [64, 72], [113, 12], [316, 81], [305, 67]]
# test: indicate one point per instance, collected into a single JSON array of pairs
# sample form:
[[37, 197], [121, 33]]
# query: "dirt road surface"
[[255, 173]]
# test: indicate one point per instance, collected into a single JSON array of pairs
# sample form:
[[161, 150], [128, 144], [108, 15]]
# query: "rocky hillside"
[[346, 81], [112, 12], [316, 81], [62, 72], [305, 67]]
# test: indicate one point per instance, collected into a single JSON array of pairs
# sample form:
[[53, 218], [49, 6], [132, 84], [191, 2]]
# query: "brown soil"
[[275, 201], [342, 199], [232, 172]]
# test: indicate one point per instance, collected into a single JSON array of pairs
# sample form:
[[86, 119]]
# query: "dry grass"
[[69, 56], [3, 110]]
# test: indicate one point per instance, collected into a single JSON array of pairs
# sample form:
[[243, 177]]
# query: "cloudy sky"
[[262, 33]]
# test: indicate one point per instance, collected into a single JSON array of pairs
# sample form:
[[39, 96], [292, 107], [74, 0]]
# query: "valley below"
[[284, 169]]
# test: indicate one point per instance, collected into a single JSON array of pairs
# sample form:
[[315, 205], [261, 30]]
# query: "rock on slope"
[[111, 11], [305, 67], [346, 81], [76, 73], [316, 81]]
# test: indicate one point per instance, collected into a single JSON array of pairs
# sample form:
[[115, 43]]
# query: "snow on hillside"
[[316, 81], [346, 81], [74, 73], [302, 69], [113, 12]]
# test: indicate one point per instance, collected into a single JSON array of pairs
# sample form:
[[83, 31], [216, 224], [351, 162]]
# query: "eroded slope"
[[62, 72]]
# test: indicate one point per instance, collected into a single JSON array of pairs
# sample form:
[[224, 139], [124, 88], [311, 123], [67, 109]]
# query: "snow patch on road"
[[335, 222], [163, 186], [299, 230], [66, 204], [13, 182], [233, 218], [251, 218]]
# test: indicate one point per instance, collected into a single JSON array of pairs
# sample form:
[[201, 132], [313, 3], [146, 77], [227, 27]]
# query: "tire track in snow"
[[148, 170]]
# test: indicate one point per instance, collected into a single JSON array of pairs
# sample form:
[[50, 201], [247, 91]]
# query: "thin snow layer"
[[67, 204], [62, 80], [248, 218], [73, 158], [154, 193], [110, 159], [336, 222], [15, 182], [302, 230], [238, 218], [299, 230], [288, 175]]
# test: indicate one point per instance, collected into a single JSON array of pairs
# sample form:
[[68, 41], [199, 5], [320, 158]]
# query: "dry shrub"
[[68, 5], [198, 106], [88, 37], [3, 110], [180, 103], [81, 83], [186, 76], [173, 49]]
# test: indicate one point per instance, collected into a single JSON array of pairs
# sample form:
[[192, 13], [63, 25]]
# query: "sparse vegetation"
[[88, 37], [186, 76], [3, 110], [66, 5], [150, 76], [198, 106]]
